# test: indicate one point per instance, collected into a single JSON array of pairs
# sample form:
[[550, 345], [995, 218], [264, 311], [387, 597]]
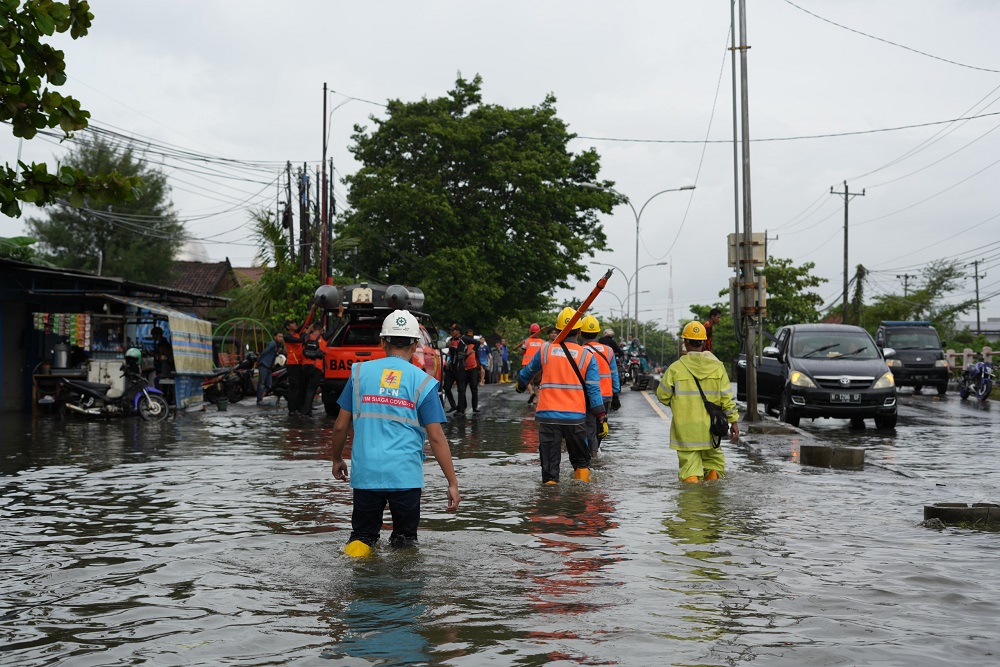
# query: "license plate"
[[845, 398]]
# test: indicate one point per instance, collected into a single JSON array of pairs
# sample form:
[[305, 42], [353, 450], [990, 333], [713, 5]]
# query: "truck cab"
[[919, 358], [358, 338]]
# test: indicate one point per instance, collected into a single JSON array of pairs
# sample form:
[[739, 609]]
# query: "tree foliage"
[[478, 205], [789, 300], [938, 280], [28, 66], [137, 239]]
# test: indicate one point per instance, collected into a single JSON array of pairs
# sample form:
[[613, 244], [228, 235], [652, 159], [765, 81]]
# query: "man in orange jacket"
[[570, 388]]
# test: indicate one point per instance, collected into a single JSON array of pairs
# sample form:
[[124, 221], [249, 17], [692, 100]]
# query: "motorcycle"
[[231, 383], [279, 379], [633, 369], [978, 379], [95, 399]]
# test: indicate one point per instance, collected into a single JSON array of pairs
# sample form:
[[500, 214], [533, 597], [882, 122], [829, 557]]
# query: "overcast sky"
[[645, 83]]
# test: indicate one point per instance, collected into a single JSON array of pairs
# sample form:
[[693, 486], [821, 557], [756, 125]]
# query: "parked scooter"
[[977, 380], [279, 379], [231, 383], [102, 400]]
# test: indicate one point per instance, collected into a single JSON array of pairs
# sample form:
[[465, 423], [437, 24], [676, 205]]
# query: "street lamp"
[[638, 216], [628, 288]]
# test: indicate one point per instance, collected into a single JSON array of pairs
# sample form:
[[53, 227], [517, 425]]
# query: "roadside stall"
[[91, 346]]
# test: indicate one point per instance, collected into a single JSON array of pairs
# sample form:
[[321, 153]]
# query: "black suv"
[[824, 370], [919, 358]]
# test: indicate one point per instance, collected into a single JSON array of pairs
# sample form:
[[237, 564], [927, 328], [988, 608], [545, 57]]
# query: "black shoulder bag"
[[716, 415]]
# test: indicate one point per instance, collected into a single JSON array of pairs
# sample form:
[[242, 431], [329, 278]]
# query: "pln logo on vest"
[[390, 379]]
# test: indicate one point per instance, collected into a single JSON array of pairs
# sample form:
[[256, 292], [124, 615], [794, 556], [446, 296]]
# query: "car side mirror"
[[888, 352], [442, 344], [771, 351]]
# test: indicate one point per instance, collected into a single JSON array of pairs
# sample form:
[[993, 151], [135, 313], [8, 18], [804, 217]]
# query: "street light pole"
[[638, 217], [628, 292]]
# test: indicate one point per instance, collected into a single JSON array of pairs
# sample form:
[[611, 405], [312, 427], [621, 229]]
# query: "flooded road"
[[215, 539]]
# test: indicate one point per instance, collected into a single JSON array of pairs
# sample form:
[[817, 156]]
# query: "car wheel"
[[942, 389], [857, 423], [787, 413], [885, 422], [917, 388]]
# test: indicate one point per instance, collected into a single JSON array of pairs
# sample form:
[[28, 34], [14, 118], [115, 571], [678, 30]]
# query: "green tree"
[[137, 239], [789, 300], [28, 66], [478, 205], [939, 279]]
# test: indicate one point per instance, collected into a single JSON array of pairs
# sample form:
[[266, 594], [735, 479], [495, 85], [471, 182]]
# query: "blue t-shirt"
[[391, 402], [484, 353]]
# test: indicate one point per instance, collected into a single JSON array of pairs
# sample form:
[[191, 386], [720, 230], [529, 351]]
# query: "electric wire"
[[891, 43]]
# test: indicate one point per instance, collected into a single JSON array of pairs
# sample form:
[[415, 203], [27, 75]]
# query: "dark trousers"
[[311, 379], [593, 438], [550, 439], [263, 381], [468, 378], [366, 517], [449, 382], [296, 388]]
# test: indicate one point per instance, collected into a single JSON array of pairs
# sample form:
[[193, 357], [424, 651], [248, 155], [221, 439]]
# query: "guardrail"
[[966, 357]]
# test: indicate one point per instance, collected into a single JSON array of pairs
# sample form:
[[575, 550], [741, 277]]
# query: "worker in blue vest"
[[393, 406]]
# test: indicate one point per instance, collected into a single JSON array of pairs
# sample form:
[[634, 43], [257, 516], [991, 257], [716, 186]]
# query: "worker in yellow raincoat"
[[698, 454]]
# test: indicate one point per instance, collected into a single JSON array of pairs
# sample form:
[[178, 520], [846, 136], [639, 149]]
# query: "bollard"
[[952, 513], [845, 458], [222, 404]]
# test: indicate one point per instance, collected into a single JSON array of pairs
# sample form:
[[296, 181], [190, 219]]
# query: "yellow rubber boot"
[[551, 482], [358, 549], [711, 475], [693, 479], [582, 474]]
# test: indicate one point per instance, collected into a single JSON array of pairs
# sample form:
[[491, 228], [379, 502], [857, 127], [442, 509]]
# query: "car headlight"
[[884, 382], [941, 363], [893, 363], [800, 379]]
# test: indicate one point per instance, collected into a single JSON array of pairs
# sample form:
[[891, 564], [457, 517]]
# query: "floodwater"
[[215, 540]]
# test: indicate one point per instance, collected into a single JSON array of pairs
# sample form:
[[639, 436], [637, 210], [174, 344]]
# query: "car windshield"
[[912, 340], [832, 345]]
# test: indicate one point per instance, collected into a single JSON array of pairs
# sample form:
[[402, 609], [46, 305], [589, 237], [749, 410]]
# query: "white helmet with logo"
[[400, 324]]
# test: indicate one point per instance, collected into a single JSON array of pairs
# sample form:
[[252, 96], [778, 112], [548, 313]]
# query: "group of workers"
[[392, 406]]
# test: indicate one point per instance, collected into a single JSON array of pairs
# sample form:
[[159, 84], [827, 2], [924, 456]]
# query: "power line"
[[829, 135], [891, 43]]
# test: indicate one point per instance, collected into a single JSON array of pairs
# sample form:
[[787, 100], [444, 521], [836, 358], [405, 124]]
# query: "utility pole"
[[305, 238], [747, 283], [324, 222], [766, 239], [977, 276], [906, 282], [287, 217], [848, 196]]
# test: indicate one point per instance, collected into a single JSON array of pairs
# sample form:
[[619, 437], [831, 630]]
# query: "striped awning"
[[190, 337]]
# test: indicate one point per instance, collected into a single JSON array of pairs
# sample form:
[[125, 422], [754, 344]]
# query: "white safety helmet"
[[400, 324]]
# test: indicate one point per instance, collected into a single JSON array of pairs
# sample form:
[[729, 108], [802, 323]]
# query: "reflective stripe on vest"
[[603, 355], [359, 414], [560, 390]]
